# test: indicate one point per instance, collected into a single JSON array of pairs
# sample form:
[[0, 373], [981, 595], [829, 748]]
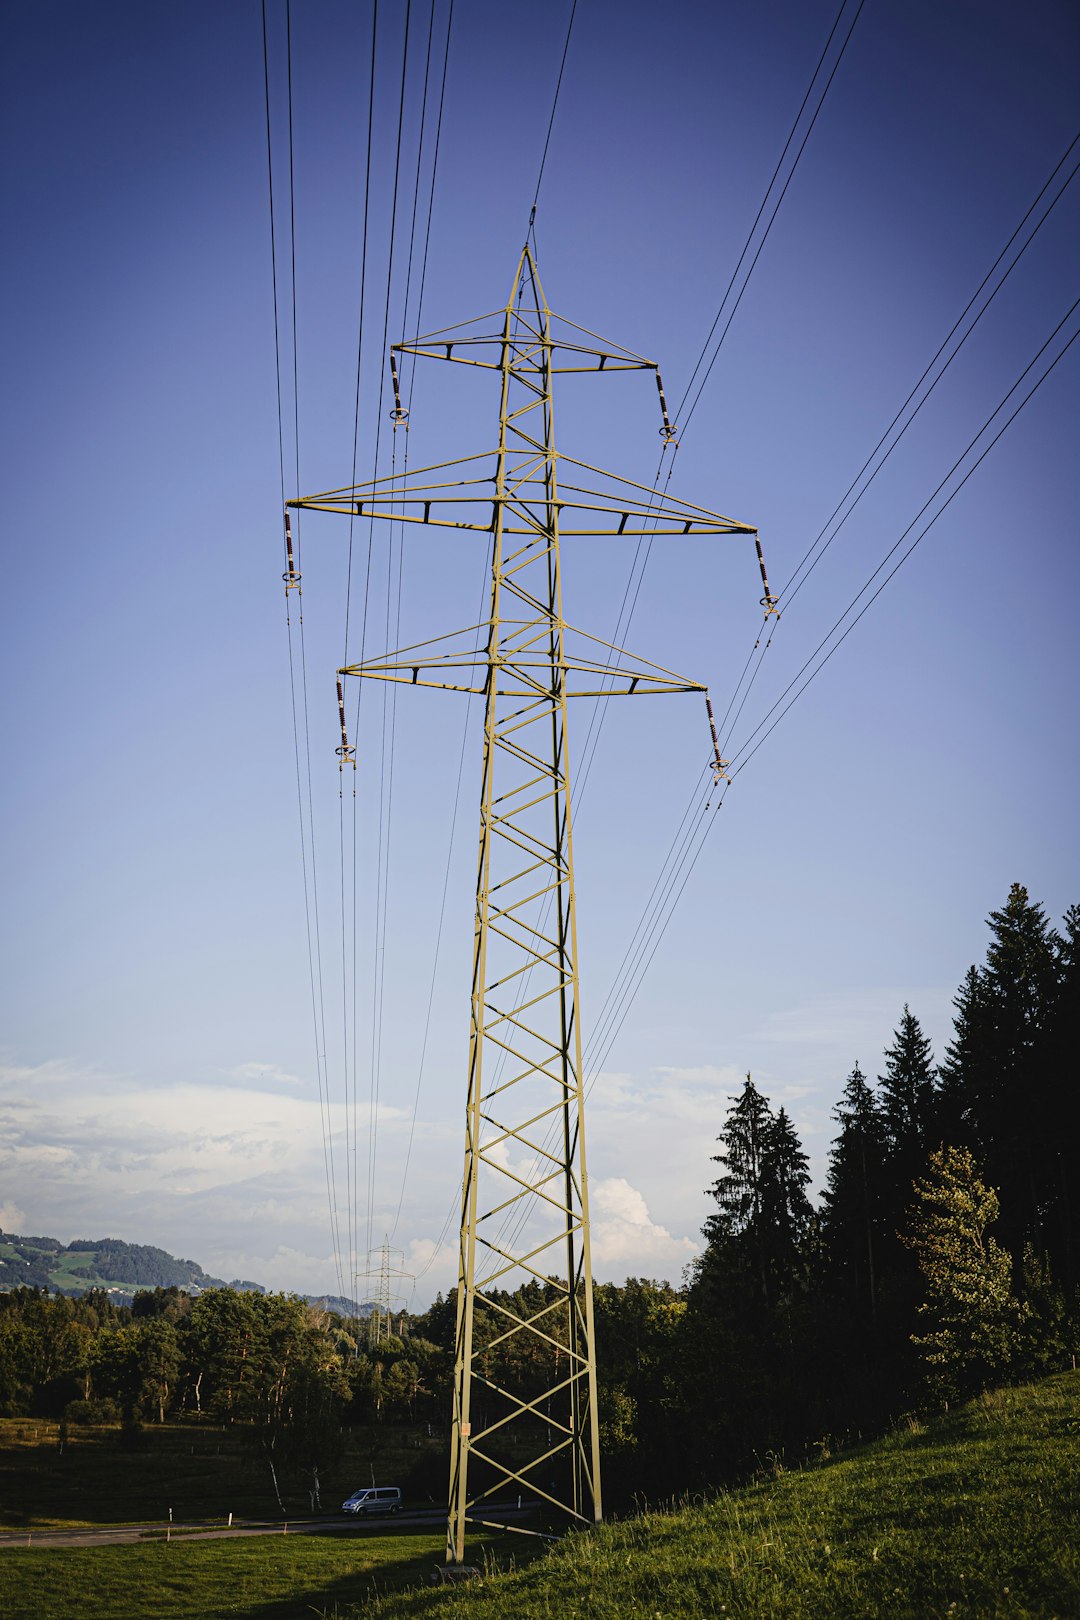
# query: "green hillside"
[[975, 1517], [43, 1262], [120, 1268]]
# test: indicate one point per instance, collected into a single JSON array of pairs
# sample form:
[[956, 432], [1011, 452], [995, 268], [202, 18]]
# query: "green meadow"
[[271, 1577]]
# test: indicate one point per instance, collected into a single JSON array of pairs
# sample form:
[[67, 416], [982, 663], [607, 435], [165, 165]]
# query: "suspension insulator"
[[669, 431], [291, 575], [720, 771], [768, 601], [399, 416], [346, 754]]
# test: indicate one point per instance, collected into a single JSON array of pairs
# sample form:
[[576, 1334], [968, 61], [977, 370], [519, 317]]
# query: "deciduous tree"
[[970, 1314]]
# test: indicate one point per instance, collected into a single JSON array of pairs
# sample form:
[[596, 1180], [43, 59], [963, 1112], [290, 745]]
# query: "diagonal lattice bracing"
[[525, 1419]]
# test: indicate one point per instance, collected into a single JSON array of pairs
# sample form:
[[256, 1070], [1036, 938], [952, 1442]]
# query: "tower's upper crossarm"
[[537, 340]]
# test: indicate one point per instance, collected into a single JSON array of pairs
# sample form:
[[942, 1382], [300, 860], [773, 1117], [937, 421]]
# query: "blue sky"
[[160, 1077]]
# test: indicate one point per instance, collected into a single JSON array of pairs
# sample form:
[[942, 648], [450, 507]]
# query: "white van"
[[374, 1499]]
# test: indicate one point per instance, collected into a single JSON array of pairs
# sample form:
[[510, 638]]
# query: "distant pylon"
[[525, 1416], [385, 1270]]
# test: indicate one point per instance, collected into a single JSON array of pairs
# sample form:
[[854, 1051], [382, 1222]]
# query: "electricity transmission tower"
[[525, 1417], [382, 1293]]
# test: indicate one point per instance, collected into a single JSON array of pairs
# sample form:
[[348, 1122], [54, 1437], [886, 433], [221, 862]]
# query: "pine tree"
[[852, 1198]]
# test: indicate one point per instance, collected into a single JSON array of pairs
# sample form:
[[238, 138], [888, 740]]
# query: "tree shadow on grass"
[[337, 1598]]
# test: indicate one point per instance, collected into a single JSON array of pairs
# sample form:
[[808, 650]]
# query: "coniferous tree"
[[1063, 1107], [787, 1214], [1007, 1085], [962, 1074], [764, 1215], [852, 1197], [746, 1328], [739, 1191], [907, 1103], [1015, 1092], [907, 1090]]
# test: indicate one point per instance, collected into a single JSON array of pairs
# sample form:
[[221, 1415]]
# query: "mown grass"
[[264, 1578], [975, 1517]]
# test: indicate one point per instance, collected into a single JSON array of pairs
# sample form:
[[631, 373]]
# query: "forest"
[[940, 1259]]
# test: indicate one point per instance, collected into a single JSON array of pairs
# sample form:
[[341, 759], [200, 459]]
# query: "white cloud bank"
[[625, 1239], [233, 1174]]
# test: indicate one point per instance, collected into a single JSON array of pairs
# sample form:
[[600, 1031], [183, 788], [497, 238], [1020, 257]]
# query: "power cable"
[[387, 759], [772, 218], [309, 882], [919, 537], [551, 120], [761, 209], [645, 543], [465, 728], [794, 585]]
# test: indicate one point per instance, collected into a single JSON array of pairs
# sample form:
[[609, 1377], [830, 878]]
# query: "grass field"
[[974, 1517], [200, 1471], [269, 1578]]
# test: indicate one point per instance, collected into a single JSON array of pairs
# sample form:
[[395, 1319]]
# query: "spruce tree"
[[787, 1214], [1062, 1109], [962, 1076], [746, 1331], [907, 1089], [852, 1198], [907, 1102], [1017, 1097], [739, 1191], [764, 1215]]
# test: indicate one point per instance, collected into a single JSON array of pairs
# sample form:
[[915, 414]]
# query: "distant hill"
[[120, 1268]]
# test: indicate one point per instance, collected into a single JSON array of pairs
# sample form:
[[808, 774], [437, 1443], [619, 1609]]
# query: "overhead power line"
[[816, 550], [302, 757], [643, 550], [684, 421], [745, 752], [551, 120]]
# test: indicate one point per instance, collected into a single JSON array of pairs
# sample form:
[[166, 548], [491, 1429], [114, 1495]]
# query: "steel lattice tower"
[[525, 1417]]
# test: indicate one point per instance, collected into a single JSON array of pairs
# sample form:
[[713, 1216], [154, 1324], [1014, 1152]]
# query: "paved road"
[[431, 1519]]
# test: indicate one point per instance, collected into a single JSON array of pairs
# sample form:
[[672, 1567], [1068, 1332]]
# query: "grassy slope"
[[977, 1517]]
